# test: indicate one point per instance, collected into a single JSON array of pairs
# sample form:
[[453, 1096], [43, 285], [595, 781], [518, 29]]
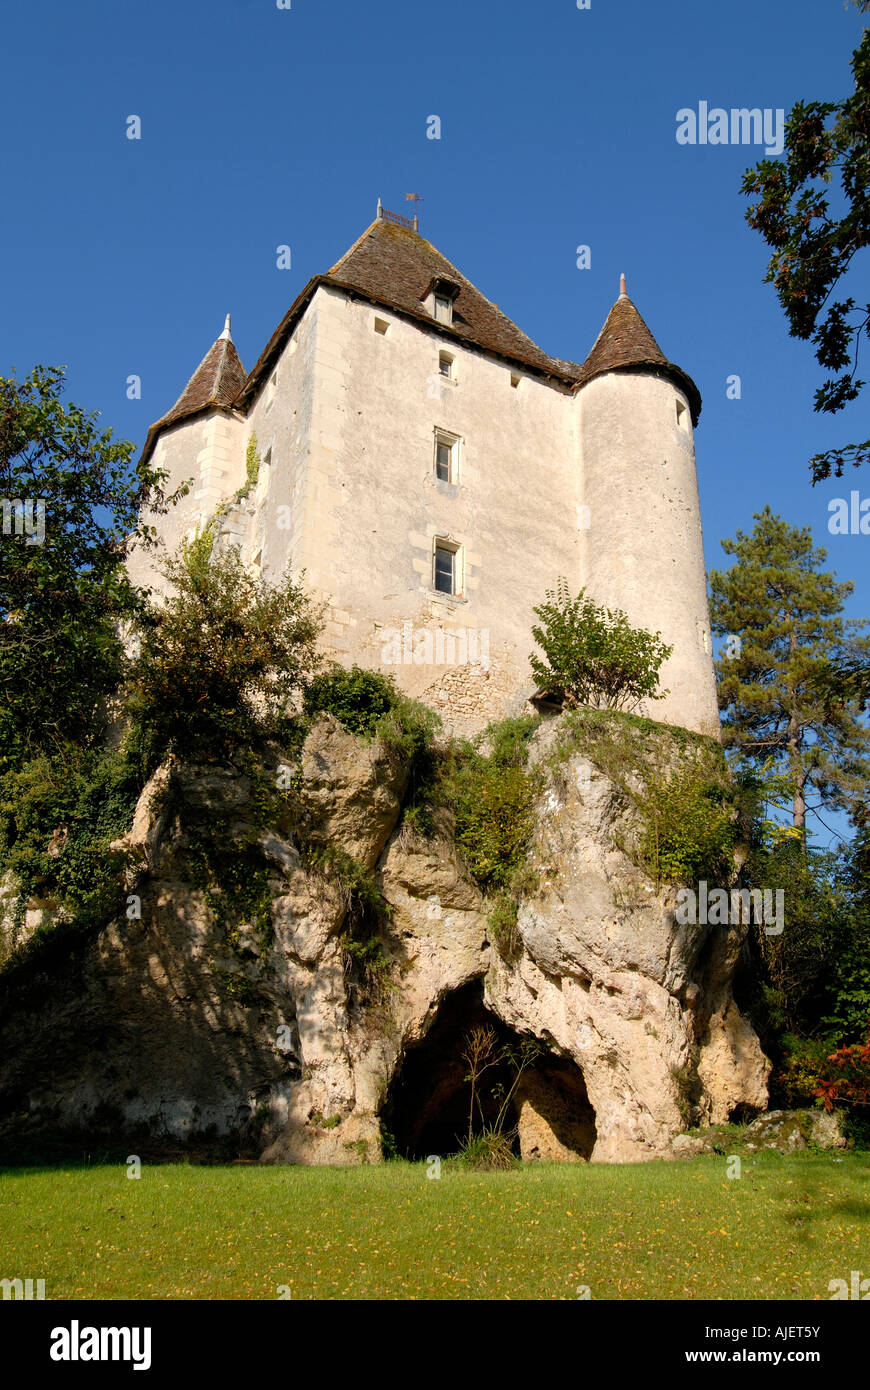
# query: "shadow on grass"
[[53, 1153]]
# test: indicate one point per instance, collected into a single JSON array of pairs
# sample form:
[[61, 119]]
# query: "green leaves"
[[222, 662], [492, 798], [61, 600], [785, 708], [593, 655], [358, 698], [690, 824], [813, 247]]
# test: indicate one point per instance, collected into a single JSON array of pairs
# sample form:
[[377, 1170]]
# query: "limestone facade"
[[541, 472]]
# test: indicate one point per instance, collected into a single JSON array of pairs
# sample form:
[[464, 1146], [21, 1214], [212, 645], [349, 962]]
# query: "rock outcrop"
[[179, 1028]]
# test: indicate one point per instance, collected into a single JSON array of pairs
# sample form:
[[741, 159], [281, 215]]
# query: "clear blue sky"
[[263, 126]]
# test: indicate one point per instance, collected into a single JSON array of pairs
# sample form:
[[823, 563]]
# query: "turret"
[[201, 437], [641, 542]]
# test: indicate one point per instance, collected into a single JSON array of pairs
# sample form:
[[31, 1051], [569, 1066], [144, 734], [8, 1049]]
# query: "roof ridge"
[[392, 264]]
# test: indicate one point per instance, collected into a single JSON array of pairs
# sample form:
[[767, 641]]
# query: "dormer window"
[[438, 299]]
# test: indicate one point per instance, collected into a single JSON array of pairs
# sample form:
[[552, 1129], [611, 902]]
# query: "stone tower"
[[434, 472], [643, 549]]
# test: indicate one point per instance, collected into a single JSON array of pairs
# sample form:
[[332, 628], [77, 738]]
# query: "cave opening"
[[429, 1101]]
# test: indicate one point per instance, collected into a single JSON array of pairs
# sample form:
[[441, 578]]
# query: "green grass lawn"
[[658, 1230]]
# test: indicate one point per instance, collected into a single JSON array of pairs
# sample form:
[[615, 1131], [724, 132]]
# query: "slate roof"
[[395, 267], [398, 266], [215, 384], [625, 343]]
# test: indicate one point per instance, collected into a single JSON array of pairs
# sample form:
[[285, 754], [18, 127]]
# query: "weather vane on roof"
[[415, 199]]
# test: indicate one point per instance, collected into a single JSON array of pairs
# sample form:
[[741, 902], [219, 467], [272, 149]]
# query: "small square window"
[[445, 364], [381, 326], [445, 568]]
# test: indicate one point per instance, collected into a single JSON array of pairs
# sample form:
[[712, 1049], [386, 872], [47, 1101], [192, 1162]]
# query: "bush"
[[503, 928], [493, 800], [58, 816], [358, 698], [371, 706], [796, 1080], [845, 1078], [689, 827], [593, 655], [222, 663], [491, 1151]]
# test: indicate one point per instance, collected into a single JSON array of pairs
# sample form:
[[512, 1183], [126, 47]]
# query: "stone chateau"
[[434, 472]]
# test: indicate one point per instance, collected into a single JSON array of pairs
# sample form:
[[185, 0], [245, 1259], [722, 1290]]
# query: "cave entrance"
[[555, 1118], [427, 1108]]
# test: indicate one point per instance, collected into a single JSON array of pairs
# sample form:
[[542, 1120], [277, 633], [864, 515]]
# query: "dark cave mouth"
[[428, 1107]]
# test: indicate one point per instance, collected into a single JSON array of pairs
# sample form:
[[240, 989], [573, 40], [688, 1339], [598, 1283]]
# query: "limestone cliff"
[[169, 1029]]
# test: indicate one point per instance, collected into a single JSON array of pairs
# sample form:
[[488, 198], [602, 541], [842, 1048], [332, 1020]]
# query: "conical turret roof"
[[215, 384], [626, 344]]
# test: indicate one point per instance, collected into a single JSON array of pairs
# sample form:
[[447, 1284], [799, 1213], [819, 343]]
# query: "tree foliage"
[[492, 797], [815, 239], [62, 596], [847, 1076], [784, 617], [593, 656], [359, 699], [223, 661]]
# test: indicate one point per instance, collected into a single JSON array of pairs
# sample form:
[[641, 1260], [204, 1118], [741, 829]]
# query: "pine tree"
[[783, 708]]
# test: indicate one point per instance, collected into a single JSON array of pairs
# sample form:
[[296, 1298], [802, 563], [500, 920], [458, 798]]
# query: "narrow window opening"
[[446, 447], [443, 309], [442, 462], [445, 364], [445, 568], [682, 417]]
